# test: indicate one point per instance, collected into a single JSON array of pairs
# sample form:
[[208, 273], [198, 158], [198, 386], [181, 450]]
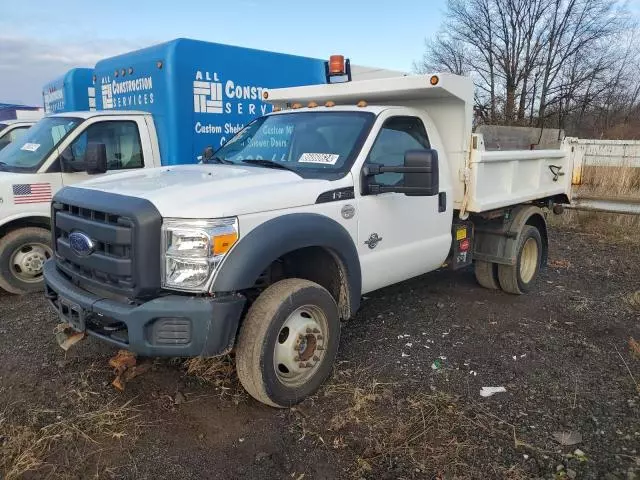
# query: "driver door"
[[122, 142], [400, 237]]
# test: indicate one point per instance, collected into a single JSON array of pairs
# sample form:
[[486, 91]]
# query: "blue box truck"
[[161, 105], [73, 91]]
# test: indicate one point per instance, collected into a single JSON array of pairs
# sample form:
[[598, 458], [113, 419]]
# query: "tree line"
[[570, 64]]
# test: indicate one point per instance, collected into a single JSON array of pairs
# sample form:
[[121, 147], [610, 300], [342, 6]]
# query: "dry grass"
[[58, 443], [414, 435], [622, 183], [217, 371]]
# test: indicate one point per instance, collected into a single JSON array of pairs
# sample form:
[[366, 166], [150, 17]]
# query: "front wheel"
[[22, 256], [288, 342]]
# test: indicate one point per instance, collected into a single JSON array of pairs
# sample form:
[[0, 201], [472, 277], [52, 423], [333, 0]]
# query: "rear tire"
[[22, 255], [288, 342], [519, 278], [487, 274]]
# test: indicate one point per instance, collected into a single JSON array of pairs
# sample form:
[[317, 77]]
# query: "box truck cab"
[[345, 189], [73, 91], [162, 105]]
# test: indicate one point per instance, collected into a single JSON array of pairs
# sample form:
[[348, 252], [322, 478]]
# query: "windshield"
[[28, 153], [309, 143]]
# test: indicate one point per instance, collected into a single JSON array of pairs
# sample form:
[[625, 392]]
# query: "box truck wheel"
[[288, 342], [519, 278], [22, 256], [487, 274]]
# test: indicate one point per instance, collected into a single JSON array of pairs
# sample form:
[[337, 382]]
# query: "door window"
[[397, 136], [121, 140]]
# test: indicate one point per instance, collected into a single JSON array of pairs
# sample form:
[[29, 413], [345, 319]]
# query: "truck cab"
[[54, 153], [343, 189]]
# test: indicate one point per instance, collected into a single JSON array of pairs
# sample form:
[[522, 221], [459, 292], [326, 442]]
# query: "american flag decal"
[[31, 193]]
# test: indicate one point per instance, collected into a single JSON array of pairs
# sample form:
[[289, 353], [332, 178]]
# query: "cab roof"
[[102, 113]]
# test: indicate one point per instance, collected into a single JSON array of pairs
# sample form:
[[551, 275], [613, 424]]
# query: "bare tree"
[[544, 62]]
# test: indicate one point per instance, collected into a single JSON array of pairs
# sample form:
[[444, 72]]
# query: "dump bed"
[[499, 178]]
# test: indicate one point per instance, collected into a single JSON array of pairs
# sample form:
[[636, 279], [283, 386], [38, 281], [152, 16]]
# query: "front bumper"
[[168, 326]]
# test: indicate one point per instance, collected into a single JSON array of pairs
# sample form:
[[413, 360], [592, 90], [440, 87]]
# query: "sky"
[[40, 40]]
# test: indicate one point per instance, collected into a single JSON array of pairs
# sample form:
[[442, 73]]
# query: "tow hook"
[[125, 367], [66, 336]]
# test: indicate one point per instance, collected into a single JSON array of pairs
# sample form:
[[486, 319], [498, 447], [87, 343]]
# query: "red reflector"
[[465, 245]]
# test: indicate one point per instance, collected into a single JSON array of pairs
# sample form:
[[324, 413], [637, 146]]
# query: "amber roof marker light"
[[434, 80]]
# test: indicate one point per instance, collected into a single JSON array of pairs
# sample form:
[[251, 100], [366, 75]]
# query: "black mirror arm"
[[375, 189], [376, 169]]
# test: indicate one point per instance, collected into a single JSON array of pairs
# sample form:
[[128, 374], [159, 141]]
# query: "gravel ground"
[[404, 401]]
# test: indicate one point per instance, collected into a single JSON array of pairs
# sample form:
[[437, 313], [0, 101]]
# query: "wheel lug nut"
[[319, 337], [320, 349], [296, 359], [316, 359], [315, 330], [309, 330], [301, 365]]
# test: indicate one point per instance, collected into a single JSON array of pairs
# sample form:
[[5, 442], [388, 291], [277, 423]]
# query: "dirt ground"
[[404, 401]]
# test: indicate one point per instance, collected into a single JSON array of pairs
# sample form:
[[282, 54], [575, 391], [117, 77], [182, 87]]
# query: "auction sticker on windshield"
[[30, 147], [322, 158]]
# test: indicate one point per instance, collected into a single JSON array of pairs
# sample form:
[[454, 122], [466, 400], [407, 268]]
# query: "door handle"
[[442, 202]]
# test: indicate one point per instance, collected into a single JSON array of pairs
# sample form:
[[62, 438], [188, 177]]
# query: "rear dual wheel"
[[519, 278], [288, 342]]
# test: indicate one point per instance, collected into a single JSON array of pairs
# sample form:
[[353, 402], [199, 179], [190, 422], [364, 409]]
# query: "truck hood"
[[197, 191]]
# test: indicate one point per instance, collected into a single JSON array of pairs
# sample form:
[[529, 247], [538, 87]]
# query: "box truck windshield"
[[27, 154]]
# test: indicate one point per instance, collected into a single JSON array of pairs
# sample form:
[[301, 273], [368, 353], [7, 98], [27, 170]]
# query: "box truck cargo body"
[[73, 91]]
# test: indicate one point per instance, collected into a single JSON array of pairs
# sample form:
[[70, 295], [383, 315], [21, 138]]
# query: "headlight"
[[193, 249]]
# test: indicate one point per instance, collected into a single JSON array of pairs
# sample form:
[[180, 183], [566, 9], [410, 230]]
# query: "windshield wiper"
[[270, 164], [217, 160]]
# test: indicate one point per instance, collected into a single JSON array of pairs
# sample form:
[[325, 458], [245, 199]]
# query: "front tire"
[[519, 278], [22, 256], [288, 342]]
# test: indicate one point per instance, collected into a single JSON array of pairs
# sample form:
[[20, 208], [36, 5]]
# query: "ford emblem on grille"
[[81, 244]]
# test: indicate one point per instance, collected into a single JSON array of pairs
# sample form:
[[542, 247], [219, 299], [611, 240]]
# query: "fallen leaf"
[[568, 438], [559, 263], [635, 347]]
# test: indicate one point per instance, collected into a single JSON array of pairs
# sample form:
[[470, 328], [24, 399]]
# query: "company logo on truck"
[[53, 100], [126, 93], [213, 96]]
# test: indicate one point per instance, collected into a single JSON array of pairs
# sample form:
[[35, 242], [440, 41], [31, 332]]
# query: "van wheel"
[[519, 278], [288, 342], [22, 256], [487, 274]]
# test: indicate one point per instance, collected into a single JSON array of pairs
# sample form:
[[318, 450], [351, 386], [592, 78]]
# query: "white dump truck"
[[345, 188]]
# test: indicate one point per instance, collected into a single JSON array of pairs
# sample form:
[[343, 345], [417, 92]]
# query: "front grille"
[[111, 263], [125, 232]]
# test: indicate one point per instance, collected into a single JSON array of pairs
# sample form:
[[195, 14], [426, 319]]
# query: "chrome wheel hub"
[[27, 262], [300, 346]]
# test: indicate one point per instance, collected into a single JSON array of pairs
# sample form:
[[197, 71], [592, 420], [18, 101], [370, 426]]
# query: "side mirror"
[[207, 154], [96, 158], [69, 163], [421, 175]]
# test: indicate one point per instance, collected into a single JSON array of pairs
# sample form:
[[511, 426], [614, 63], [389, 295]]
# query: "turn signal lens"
[[223, 243]]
